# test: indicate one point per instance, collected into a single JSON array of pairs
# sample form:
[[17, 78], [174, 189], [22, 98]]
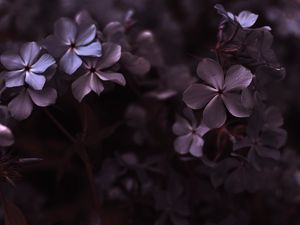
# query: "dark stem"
[[60, 127], [82, 153]]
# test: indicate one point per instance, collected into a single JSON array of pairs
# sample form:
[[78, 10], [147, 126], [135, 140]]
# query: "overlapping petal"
[[35, 81], [29, 52], [211, 72], [11, 61], [234, 105], [198, 95], [81, 87], [44, 97], [43, 63], [70, 62], [112, 76], [111, 54], [66, 30], [14, 78], [93, 49], [214, 114], [237, 78], [21, 106], [86, 36]]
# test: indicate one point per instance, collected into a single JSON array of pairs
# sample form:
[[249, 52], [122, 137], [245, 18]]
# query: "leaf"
[[13, 215]]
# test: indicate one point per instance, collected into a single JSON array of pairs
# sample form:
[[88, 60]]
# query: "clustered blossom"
[[70, 42], [27, 70], [76, 46], [98, 70]]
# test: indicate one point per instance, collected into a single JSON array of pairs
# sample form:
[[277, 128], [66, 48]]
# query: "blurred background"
[[55, 192]]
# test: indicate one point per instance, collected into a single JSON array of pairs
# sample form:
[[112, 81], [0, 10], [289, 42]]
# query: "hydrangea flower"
[[28, 66], [218, 92], [189, 134], [71, 41], [98, 70]]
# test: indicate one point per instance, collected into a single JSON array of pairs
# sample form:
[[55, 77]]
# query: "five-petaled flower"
[[189, 134], [26, 67], [70, 41], [218, 91], [98, 70], [264, 136]]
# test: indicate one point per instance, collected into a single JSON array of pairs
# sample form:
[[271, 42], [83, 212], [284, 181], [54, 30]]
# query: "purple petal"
[[81, 87], [135, 64], [83, 18], [43, 63], [214, 114], [111, 54], [202, 129], [29, 52], [93, 49], [183, 143], [234, 105], [6, 136], [211, 72], [247, 98], [113, 31], [66, 30], [96, 84], [35, 81], [196, 146], [268, 153], [70, 62], [181, 126], [190, 116], [11, 62], [21, 106], [86, 36], [237, 78], [54, 46], [198, 95], [247, 19], [14, 78], [43, 98], [111, 76], [244, 143], [235, 181]]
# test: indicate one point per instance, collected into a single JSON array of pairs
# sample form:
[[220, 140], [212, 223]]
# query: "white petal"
[[43, 63], [35, 81]]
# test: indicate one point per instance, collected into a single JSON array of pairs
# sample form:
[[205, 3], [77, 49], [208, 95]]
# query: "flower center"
[[72, 45], [220, 92], [27, 68], [92, 69]]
